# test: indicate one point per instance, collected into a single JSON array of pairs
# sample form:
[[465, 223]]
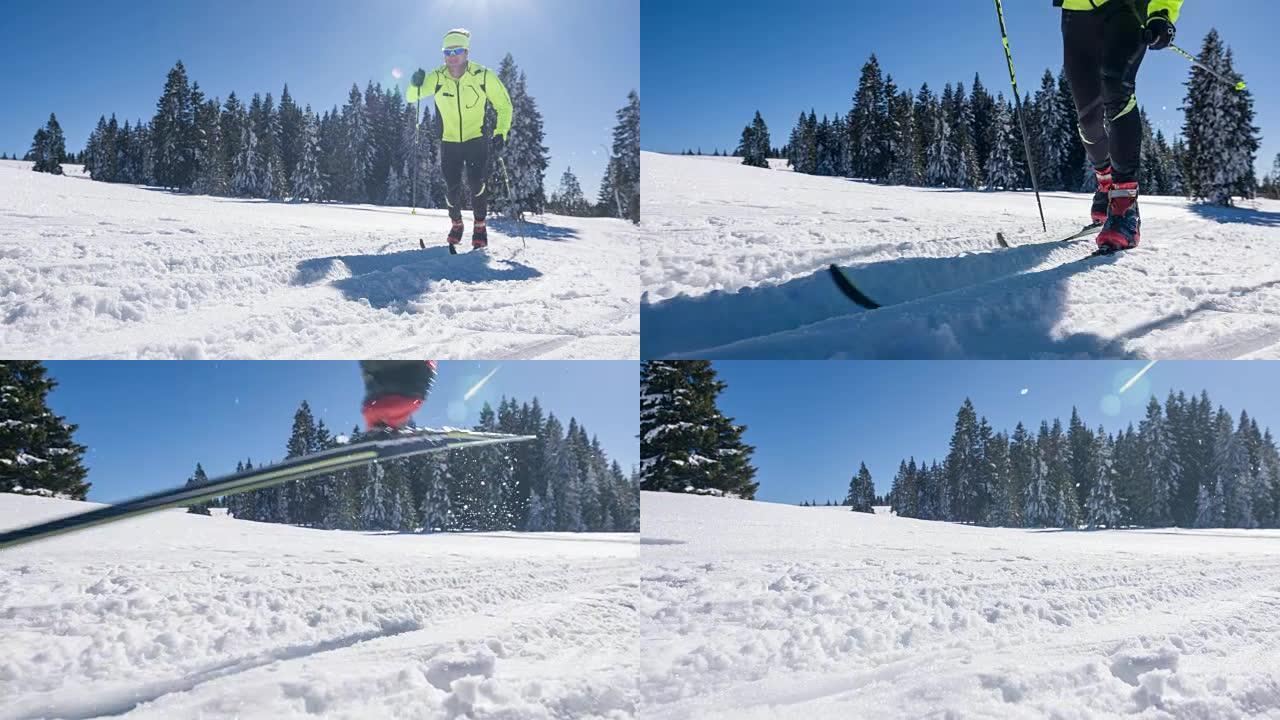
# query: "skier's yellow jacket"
[[461, 102], [1172, 7]]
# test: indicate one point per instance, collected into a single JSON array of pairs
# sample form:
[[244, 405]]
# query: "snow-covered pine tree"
[[48, 149], [567, 482], [1001, 169], [984, 109], [1053, 141], [967, 171], [356, 148], [433, 511], [569, 199], [525, 155], [211, 177], [1236, 475], [861, 491], [749, 146], [270, 174], [308, 184], [940, 166], [292, 126], [1221, 140], [796, 155], [908, 165], [997, 477], [1080, 461], [37, 451], [197, 479], [374, 499], [963, 465], [867, 123], [686, 442], [621, 186], [1159, 466], [1038, 510], [1101, 507], [172, 132]]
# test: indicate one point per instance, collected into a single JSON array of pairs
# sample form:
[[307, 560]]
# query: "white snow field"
[[756, 610], [734, 265], [97, 270], [180, 616]]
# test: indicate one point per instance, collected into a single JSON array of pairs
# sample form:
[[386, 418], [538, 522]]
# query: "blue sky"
[[707, 70], [581, 58], [813, 422], [147, 423]]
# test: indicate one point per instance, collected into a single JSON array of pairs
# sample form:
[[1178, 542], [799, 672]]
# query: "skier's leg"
[[1124, 47], [451, 161], [1082, 37], [477, 154], [394, 389]]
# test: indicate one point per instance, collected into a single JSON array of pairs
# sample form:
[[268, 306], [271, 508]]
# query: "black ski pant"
[[1102, 51], [474, 155]]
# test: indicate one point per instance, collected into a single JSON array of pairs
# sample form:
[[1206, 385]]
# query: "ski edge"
[[334, 460]]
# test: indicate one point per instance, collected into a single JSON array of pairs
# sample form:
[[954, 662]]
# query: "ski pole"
[[519, 215], [1022, 121], [1239, 86], [417, 122]]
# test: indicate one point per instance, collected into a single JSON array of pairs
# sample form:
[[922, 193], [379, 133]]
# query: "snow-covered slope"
[[757, 610], [181, 616], [119, 271], [735, 266]]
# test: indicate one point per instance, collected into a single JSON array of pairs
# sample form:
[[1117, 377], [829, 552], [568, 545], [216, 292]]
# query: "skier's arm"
[[1171, 7], [425, 90], [497, 94]]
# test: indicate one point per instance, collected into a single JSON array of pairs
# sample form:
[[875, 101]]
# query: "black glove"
[[419, 77], [1160, 31], [499, 142]]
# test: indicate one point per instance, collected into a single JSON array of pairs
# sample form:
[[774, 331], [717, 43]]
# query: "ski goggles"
[[450, 52]]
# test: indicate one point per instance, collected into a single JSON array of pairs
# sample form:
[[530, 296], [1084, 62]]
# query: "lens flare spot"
[[1111, 405], [457, 412], [397, 73]]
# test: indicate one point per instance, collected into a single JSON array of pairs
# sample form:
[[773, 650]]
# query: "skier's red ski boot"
[[1123, 228], [479, 236], [455, 237], [1101, 198]]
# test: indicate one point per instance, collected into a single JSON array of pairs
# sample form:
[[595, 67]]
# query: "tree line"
[[971, 139], [563, 481], [1185, 465], [374, 149]]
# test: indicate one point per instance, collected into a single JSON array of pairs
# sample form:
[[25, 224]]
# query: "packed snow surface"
[[758, 610], [97, 270], [735, 258], [182, 616]]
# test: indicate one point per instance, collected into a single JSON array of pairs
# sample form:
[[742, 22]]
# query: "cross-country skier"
[[1104, 42], [461, 88], [394, 390]]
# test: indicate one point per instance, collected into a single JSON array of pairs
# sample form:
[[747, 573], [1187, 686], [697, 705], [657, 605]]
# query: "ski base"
[[385, 446]]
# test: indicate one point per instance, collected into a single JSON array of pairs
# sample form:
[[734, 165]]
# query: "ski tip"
[[422, 244], [1000, 239]]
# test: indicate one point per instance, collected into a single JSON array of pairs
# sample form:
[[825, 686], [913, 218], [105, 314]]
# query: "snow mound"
[[174, 615], [735, 262], [756, 610]]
